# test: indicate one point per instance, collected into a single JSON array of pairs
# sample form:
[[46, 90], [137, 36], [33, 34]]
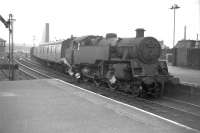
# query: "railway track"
[[5, 74], [178, 111], [34, 73], [38, 68]]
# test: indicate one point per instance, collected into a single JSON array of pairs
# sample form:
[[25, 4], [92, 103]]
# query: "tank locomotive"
[[127, 64]]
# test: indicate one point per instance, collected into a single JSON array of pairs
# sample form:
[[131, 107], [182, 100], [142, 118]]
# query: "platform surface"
[[186, 75], [52, 106]]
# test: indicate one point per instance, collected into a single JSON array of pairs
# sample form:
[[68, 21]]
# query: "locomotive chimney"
[[139, 32]]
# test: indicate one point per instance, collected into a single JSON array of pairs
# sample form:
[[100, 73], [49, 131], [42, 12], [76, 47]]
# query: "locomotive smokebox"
[[139, 32]]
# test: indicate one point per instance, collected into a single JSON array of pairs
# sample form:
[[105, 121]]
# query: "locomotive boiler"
[[127, 64]]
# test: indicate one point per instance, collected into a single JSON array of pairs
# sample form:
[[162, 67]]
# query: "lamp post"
[[174, 7]]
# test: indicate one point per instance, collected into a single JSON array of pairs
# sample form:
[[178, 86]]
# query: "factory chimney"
[[47, 32], [139, 32], [45, 37], [185, 32]]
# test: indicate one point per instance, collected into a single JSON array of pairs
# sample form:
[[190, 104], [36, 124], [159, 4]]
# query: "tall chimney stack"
[[139, 32], [185, 32], [47, 32], [45, 35]]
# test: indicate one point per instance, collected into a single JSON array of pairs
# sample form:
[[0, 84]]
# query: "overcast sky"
[[98, 17]]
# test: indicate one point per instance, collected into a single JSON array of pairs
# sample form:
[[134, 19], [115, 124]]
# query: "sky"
[[98, 17]]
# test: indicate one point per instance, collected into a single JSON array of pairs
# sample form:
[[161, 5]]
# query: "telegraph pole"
[[9, 24], [11, 44], [174, 7]]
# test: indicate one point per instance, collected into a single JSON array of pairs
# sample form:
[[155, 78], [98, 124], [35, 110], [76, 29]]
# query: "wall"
[[181, 56], [187, 57], [194, 58]]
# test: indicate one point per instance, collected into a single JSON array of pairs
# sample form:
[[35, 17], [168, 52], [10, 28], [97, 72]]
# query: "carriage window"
[[76, 45], [51, 49]]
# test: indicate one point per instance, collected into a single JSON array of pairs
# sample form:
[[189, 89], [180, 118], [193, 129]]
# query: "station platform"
[[190, 76], [54, 106]]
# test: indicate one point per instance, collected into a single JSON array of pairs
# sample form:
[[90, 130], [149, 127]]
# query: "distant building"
[[2, 42], [163, 46], [187, 54], [186, 44], [2, 48]]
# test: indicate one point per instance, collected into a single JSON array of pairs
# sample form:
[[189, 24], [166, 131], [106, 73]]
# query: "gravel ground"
[[17, 76]]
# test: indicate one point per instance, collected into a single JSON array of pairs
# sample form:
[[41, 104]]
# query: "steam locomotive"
[[127, 64]]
